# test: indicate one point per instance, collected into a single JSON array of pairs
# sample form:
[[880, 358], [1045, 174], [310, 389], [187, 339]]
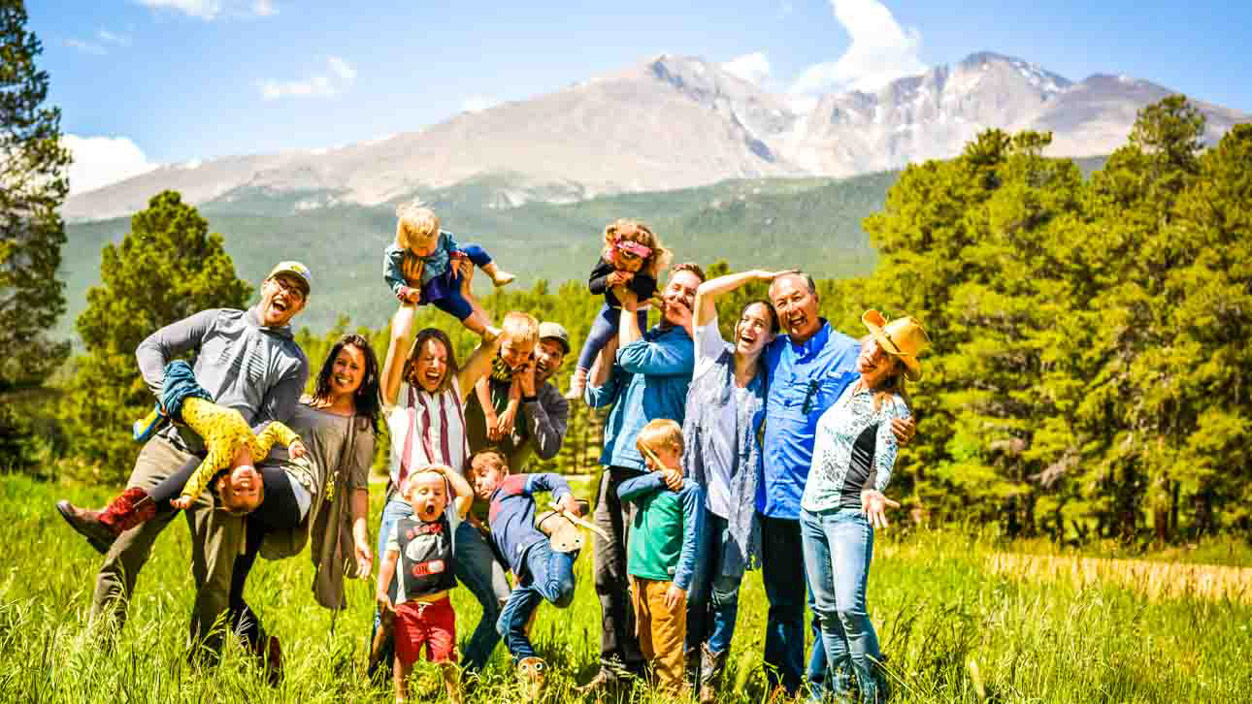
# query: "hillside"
[[814, 223]]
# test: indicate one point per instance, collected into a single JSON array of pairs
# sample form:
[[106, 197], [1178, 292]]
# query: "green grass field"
[[953, 631]]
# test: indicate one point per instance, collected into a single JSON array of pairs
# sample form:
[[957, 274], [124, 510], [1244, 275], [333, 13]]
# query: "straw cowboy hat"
[[903, 338]]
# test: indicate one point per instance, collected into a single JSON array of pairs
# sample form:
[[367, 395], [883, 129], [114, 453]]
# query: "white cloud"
[[478, 103], [100, 161], [320, 85], [212, 9], [753, 68], [108, 37], [880, 51], [86, 47], [204, 9], [342, 69]]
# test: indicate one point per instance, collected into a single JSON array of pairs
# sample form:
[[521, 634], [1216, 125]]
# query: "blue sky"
[[143, 82]]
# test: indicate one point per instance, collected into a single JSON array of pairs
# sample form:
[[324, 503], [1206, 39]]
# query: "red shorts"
[[431, 623]]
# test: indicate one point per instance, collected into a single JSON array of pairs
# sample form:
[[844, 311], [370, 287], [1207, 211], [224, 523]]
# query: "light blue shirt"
[[805, 380], [649, 381]]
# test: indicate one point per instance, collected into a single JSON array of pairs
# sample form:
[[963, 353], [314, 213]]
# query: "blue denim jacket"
[[804, 380], [649, 381], [435, 265]]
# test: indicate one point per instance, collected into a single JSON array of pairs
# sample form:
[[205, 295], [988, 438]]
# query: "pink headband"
[[639, 250]]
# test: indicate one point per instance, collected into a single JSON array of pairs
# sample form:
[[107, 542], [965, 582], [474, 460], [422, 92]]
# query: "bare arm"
[[478, 364], [706, 295], [361, 533], [397, 350], [385, 573], [628, 322], [603, 366], [464, 494]]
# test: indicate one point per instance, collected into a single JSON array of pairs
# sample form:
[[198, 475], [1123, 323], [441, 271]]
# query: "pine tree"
[[166, 268], [32, 186]]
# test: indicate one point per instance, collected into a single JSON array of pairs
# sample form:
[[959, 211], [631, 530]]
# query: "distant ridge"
[[676, 122]]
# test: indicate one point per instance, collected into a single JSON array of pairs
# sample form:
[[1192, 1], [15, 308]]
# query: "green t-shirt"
[[663, 538]]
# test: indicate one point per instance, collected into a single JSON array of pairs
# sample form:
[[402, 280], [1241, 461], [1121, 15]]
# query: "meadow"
[[954, 630]]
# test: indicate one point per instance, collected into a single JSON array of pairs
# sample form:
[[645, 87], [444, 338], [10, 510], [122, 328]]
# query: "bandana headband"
[[639, 250]]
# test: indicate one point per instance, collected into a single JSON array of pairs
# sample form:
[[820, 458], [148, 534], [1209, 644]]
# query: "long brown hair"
[[366, 399], [410, 365]]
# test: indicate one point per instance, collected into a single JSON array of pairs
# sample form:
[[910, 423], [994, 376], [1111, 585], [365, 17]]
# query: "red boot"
[[101, 528]]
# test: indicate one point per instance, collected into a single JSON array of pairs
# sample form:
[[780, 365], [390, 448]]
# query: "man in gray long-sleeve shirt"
[[247, 360]]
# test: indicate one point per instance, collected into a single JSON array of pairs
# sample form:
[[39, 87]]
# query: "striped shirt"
[[426, 428]]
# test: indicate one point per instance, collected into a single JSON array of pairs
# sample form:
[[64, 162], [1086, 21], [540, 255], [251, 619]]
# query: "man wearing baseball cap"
[[247, 360], [544, 412]]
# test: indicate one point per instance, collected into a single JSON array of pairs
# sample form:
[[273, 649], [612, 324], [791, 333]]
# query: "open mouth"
[[429, 510], [795, 321]]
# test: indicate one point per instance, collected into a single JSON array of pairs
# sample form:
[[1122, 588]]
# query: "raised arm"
[[628, 322], [162, 346], [397, 350], [464, 494], [706, 295], [478, 365]]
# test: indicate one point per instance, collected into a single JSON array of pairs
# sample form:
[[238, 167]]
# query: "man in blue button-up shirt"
[[809, 367], [648, 381]]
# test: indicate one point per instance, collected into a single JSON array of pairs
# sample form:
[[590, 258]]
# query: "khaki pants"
[[661, 631], [216, 538]]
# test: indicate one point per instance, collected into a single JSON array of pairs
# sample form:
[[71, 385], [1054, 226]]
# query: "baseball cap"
[[296, 269], [555, 331]]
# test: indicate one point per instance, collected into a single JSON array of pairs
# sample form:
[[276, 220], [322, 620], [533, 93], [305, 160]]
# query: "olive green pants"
[[216, 538]]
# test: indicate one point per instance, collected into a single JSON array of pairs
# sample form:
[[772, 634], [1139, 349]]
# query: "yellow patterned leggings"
[[225, 432]]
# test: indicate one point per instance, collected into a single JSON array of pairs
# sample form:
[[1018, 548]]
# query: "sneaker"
[[532, 673]]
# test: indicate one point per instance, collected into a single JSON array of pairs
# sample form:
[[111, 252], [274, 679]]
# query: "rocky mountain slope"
[[674, 122]]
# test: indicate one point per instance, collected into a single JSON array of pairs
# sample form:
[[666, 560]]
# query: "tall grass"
[[953, 630]]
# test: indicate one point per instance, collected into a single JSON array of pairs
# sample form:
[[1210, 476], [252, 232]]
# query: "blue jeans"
[[782, 570], [476, 568], [444, 292], [713, 599], [838, 547], [603, 328], [547, 575]]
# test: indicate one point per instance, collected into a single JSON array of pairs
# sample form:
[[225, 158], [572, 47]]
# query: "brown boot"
[[711, 666], [101, 528], [270, 656]]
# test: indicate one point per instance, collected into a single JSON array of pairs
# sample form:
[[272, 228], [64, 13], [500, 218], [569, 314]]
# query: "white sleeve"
[[708, 346]]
